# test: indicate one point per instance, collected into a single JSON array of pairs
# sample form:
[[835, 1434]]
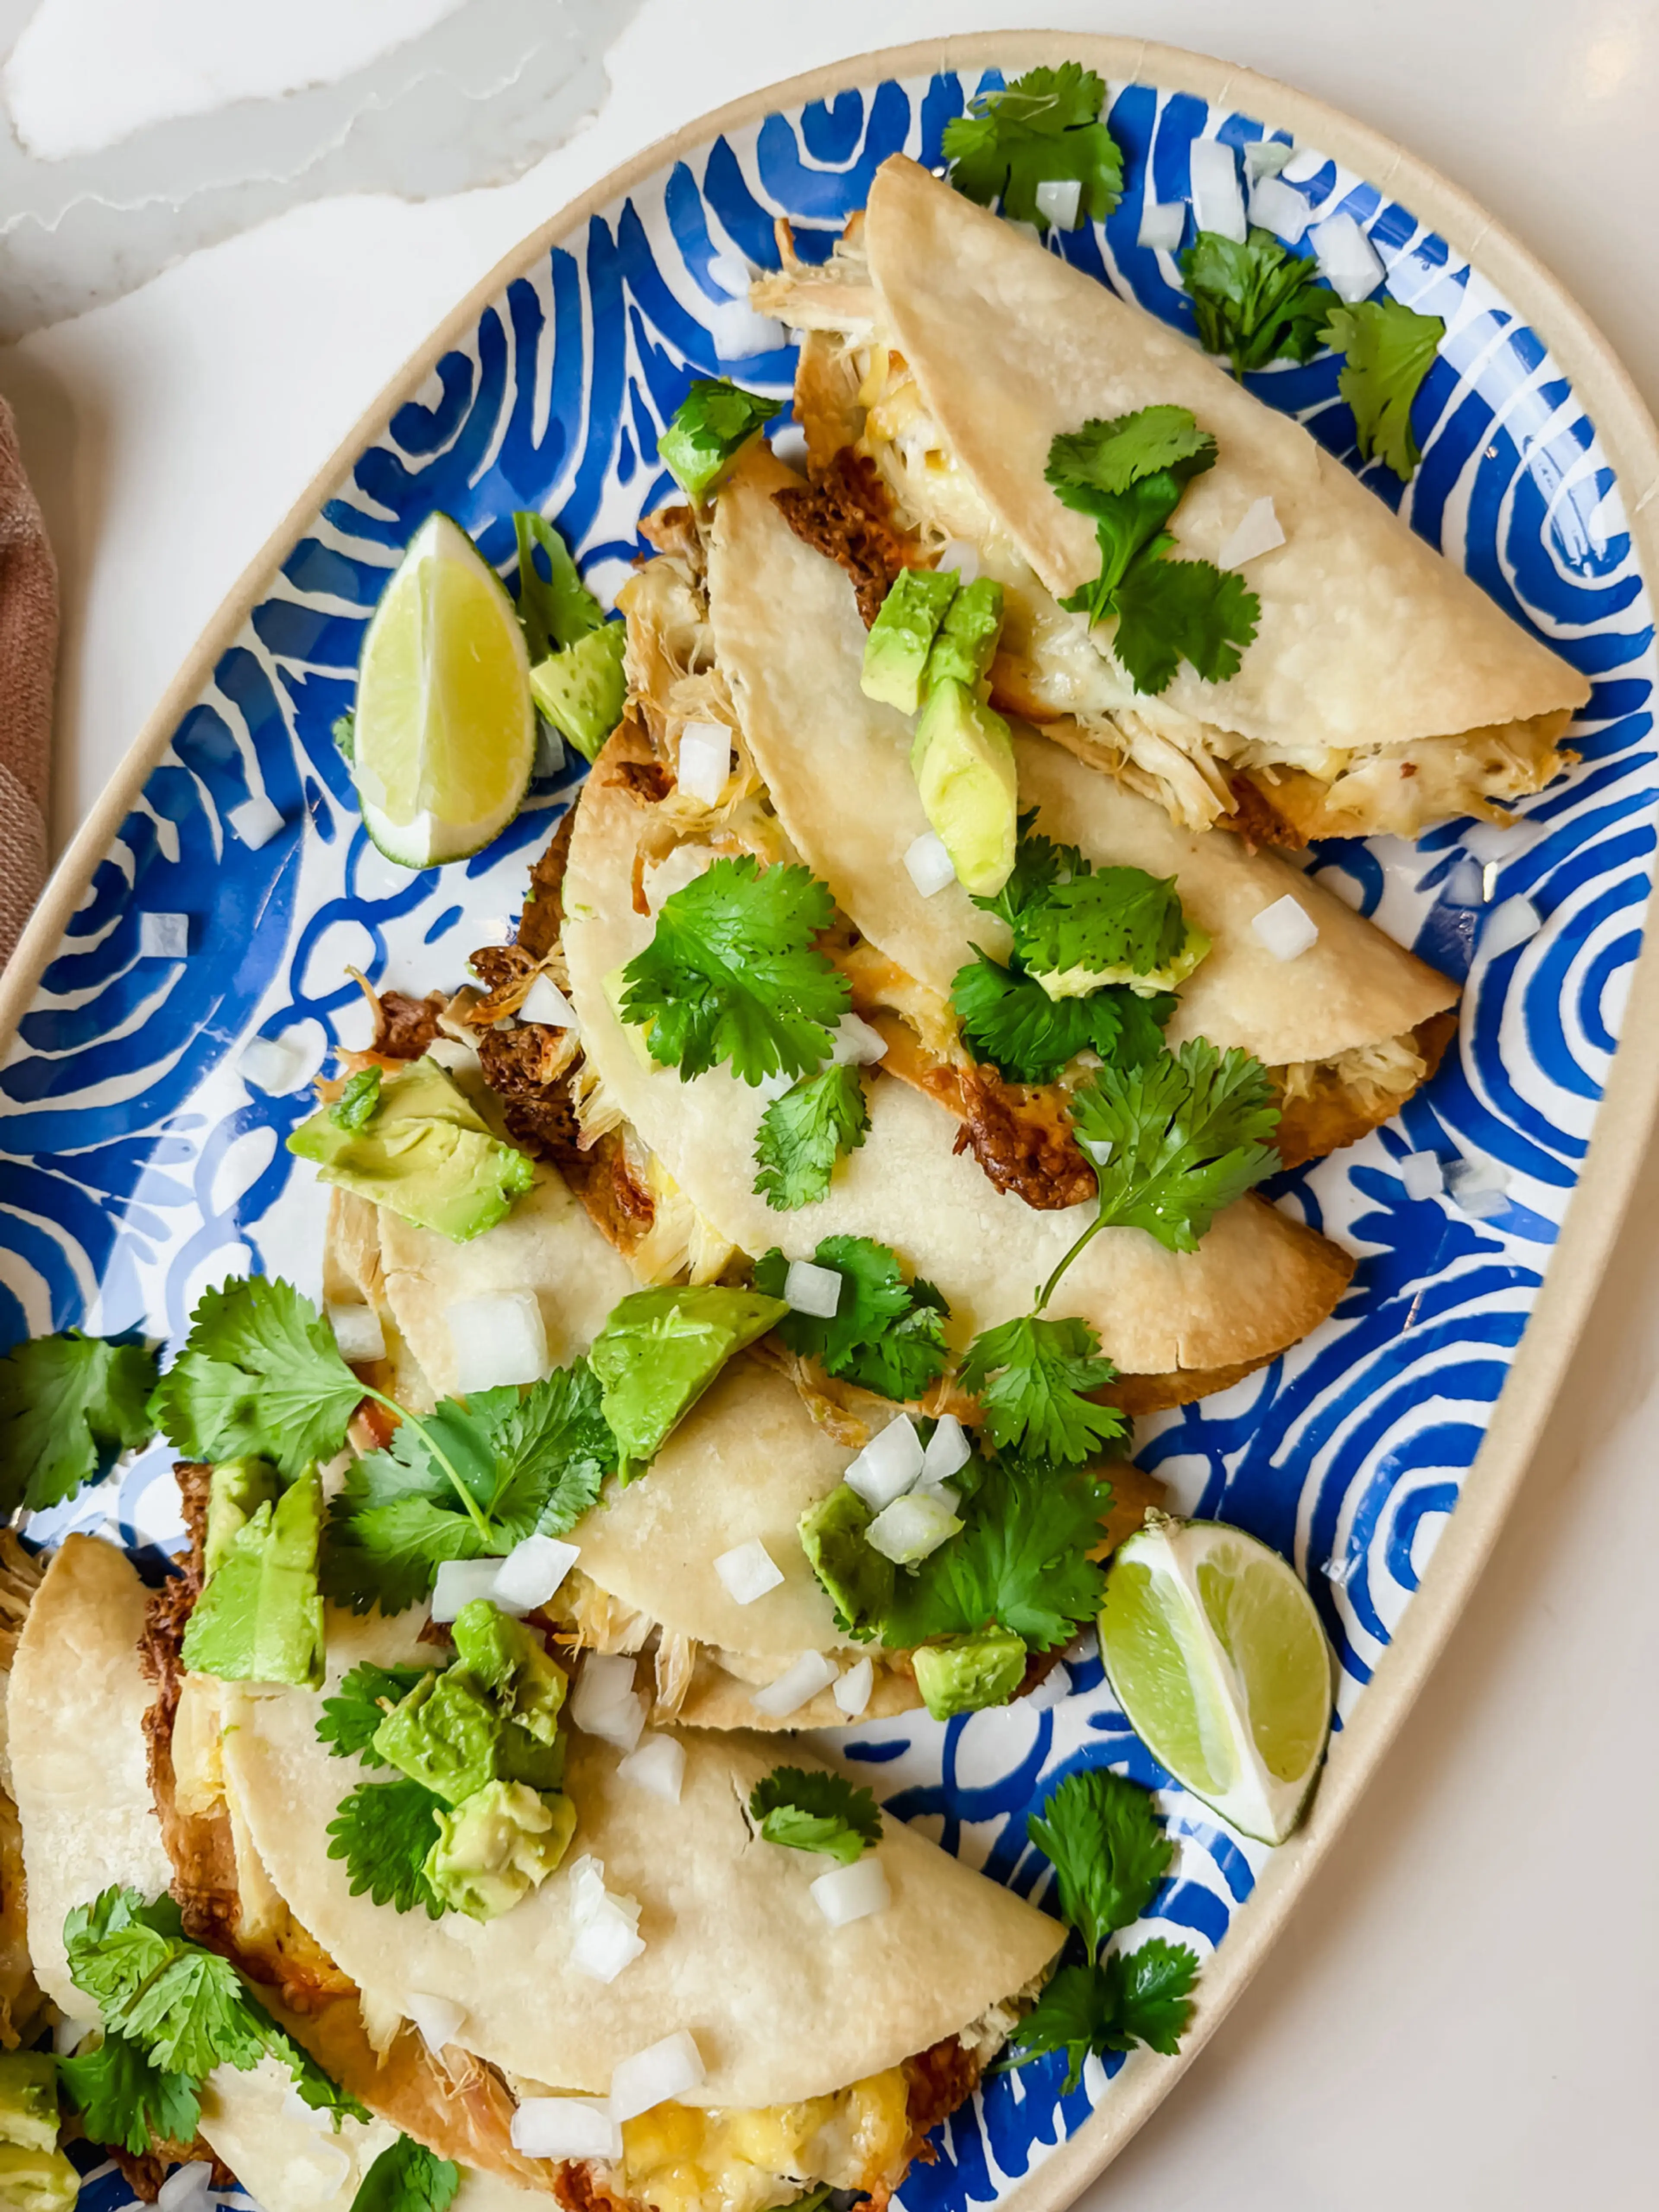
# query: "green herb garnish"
[[1390, 350], [68, 1404], [710, 427], [384, 1830], [407, 2177], [803, 1134], [356, 1103], [349, 1719], [1045, 127], [886, 1335], [808, 1811], [1031, 1375], [1257, 302]]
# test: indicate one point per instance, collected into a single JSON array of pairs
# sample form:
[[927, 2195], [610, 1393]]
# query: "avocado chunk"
[[858, 1580], [29, 2101], [661, 1349], [239, 1488], [963, 761], [581, 690], [37, 2180], [901, 637], [259, 1618], [968, 1673], [1078, 983], [503, 1841], [967, 642], [710, 427], [511, 1663], [444, 1735], [425, 1152]]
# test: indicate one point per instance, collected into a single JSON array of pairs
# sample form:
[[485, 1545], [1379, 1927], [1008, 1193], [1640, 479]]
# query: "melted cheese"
[[680, 2159]]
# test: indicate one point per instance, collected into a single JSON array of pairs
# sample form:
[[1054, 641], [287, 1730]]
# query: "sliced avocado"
[[444, 1735], [661, 1349], [1078, 983], [967, 642], [239, 1488], [426, 1153], [259, 1618], [503, 1841], [896, 651], [963, 761], [582, 689], [511, 1661], [28, 2100], [970, 1672], [37, 2180], [859, 1579]]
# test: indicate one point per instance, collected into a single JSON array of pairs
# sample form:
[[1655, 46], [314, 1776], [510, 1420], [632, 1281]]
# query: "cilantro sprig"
[[407, 2177], [710, 428], [809, 1811], [1390, 350], [1032, 1377], [260, 1378], [1128, 474], [349, 1719], [803, 1134], [126, 2101], [382, 1831], [1047, 126], [1140, 1997], [733, 973], [68, 1404], [1011, 1021], [356, 1105], [885, 1334], [1257, 302]]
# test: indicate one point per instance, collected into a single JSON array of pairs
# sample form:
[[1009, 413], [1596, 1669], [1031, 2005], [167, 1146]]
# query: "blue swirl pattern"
[[141, 1159]]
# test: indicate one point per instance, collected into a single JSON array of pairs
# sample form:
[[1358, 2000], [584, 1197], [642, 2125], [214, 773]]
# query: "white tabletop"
[[1461, 2014]]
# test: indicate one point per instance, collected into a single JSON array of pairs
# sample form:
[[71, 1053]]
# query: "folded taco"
[[945, 354]]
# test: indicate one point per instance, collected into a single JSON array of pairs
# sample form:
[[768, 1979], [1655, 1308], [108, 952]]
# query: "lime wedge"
[[1218, 1658], [445, 729]]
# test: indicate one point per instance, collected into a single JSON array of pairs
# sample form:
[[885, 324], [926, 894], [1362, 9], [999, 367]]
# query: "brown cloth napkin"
[[29, 649]]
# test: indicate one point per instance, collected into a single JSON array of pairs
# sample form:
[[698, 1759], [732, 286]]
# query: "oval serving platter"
[[141, 1152]]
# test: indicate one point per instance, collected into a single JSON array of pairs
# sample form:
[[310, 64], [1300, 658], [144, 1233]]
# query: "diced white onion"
[[853, 1690], [185, 2187], [275, 1064], [911, 1527], [748, 1571], [1422, 1176], [810, 1673], [812, 1290], [889, 1463], [499, 1338], [948, 1449], [852, 1892], [439, 2018], [1258, 530], [705, 760], [929, 867], [255, 822], [565, 2127], [651, 2076], [1347, 260], [605, 1934], [1057, 198], [163, 936], [1465, 885], [732, 274], [545, 1002], [458, 1583], [1286, 929], [1478, 1187], [1053, 1689], [1280, 208], [1162, 223], [604, 1702], [943, 1493], [1508, 925], [357, 1333], [857, 1045], [956, 553], [1487, 841], [68, 2035], [532, 1571], [657, 1765], [1266, 157], [1216, 200]]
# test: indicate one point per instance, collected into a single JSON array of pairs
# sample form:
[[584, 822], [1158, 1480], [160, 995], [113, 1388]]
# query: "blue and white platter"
[[142, 1154]]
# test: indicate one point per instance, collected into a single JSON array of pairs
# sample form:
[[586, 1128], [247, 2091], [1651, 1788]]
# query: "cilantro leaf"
[[807, 1811], [259, 1377], [886, 1335], [408, 2177], [119, 1943], [383, 1831], [1010, 1020], [1045, 126], [349, 1719], [1153, 1989], [1180, 1139], [1076, 2013], [1112, 918], [803, 1133], [1390, 350], [1029, 1375], [1125, 527], [67, 1404], [1021, 1561], [1109, 456], [1174, 611], [1143, 1998], [1257, 302], [732, 974], [126, 2102], [715, 421], [557, 609], [356, 1103], [1108, 1853], [194, 2015], [1038, 863]]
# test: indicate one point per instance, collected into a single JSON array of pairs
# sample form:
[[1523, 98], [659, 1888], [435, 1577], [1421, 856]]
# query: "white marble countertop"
[[1443, 2024]]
